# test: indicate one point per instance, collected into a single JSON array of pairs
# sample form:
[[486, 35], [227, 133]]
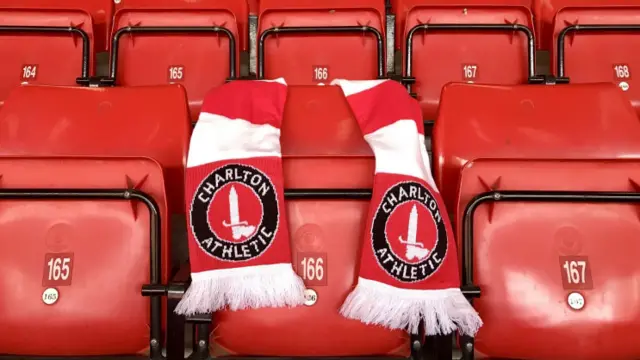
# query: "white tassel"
[[242, 288], [443, 311]]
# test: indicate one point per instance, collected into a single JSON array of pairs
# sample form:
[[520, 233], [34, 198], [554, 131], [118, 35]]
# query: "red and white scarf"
[[238, 234]]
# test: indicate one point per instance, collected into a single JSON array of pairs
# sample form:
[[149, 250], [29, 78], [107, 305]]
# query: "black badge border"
[[277, 208], [442, 240]]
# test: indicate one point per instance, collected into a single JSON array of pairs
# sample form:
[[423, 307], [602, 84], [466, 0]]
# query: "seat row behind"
[[204, 43]]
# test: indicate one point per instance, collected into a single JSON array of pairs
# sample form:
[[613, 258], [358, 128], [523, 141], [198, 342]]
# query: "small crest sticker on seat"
[[576, 301], [50, 296], [310, 297]]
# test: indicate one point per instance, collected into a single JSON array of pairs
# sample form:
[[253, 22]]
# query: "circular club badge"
[[234, 213], [408, 232]]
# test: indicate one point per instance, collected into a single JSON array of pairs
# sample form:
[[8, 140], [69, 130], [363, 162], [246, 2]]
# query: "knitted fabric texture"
[[239, 241]]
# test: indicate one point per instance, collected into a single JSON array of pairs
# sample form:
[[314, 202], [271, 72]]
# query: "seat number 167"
[[576, 273], [469, 72]]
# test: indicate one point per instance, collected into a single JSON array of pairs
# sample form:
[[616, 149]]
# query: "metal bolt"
[[127, 194], [497, 196], [154, 343], [201, 343], [465, 11], [469, 347], [416, 345]]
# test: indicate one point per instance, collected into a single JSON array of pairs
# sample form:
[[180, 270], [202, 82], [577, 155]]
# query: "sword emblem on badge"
[[238, 228], [414, 248]]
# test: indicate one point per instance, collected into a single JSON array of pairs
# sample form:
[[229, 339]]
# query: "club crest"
[[234, 213], [408, 232]]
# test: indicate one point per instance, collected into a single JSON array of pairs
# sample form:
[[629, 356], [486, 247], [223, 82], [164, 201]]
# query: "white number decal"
[[176, 73], [29, 72], [59, 268], [50, 296], [576, 301], [622, 71], [312, 268], [574, 275], [470, 71], [320, 73], [310, 297]]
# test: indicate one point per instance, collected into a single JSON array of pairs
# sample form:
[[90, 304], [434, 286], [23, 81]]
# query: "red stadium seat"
[[545, 12], [326, 40], [74, 253], [596, 42], [402, 7], [329, 229], [143, 121], [44, 46], [101, 12], [555, 272], [591, 121], [446, 42], [239, 10], [195, 44]]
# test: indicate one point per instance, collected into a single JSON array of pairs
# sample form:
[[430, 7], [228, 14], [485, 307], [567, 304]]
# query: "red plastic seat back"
[[555, 274], [76, 264], [321, 56], [545, 12], [39, 57], [197, 60], [599, 55], [119, 121], [402, 7], [439, 56], [101, 12], [322, 148], [239, 9], [593, 121]]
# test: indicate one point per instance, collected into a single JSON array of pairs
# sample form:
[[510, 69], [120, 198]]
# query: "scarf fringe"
[[242, 288], [443, 311]]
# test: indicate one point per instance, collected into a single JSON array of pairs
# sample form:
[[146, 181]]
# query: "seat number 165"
[[58, 269]]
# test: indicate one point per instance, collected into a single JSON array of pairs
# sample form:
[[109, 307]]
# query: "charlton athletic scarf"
[[239, 237]]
